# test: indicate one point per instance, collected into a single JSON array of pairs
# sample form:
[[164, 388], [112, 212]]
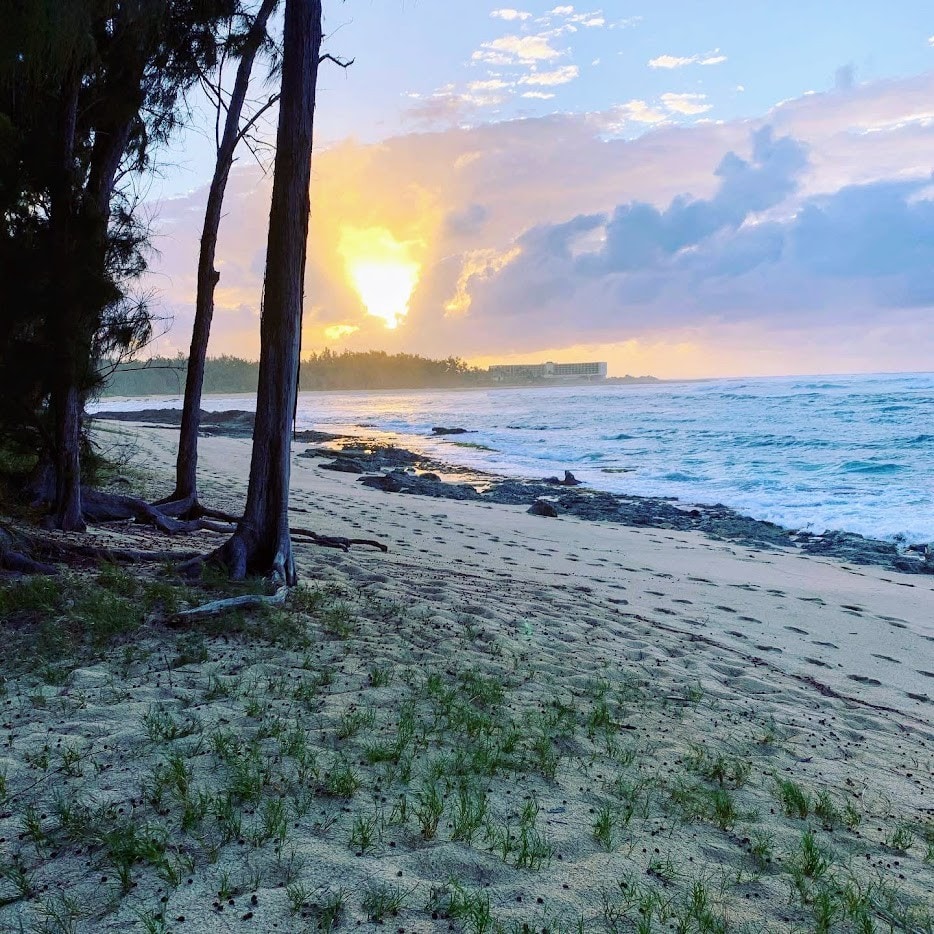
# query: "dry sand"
[[611, 718]]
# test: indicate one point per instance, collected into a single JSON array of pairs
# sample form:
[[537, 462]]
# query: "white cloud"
[[634, 111], [493, 84], [510, 15], [674, 61], [574, 19], [688, 104], [539, 95], [931, 41], [523, 50], [561, 75]]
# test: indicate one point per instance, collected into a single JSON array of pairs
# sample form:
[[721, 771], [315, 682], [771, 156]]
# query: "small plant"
[[470, 813], [470, 908], [603, 827], [354, 721], [342, 781], [827, 811], [299, 896], [794, 800], [162, 726], [428, 808], [900, 839], [330, 909], [382, 901], [379, 677], [338, 620], [761, 850], [364, 833]]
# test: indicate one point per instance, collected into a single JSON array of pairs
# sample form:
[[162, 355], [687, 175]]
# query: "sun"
[[381, 270]]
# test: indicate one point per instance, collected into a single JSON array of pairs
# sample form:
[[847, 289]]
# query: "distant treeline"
[[326, 370]]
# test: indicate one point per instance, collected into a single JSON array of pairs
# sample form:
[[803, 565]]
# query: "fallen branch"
[[218, 607]]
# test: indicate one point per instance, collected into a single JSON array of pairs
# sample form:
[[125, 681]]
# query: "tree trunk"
[[262, 543], [64, 401], [186, 470]]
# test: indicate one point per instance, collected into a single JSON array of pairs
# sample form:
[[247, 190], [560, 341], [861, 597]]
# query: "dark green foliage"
[[348, 370]]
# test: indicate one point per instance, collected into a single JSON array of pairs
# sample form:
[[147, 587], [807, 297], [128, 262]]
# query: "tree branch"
[[340, 62]]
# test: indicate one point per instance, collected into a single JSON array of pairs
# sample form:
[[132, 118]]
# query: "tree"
[[89, 88], [262, 543], [184, 498]]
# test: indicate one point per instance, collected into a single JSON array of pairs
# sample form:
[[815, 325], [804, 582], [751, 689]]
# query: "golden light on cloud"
[[478, 264], [381, 269], [336, 331]]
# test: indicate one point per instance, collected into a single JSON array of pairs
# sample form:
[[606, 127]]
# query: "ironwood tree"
[[88, 89], [184, 498], [262, 542]]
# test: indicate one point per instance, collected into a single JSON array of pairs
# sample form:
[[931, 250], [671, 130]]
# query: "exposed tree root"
[[112, 507], [13, 559], [190, 508], [337, 541], [217, 607]]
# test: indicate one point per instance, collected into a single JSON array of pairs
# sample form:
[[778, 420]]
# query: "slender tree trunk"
[[262, 543], [186, 471], [64, 403]]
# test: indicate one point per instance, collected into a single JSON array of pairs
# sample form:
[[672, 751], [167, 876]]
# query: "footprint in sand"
[[862, 679], [680, 600], [927, 674], [739, 635], [726, 609], [769, 648], [886, 658], [829, 645], [803, 632], [918, 697], [818, 662]]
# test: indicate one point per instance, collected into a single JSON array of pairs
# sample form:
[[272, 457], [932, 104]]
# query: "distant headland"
[[160, 376]]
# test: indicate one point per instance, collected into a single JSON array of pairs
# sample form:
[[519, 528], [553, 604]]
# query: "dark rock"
[[428, 475], [440, 430], [570, 479], [541, 507], [344, 465], [385, 482]]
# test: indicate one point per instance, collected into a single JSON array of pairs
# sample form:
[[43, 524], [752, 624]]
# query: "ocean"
[[854, 453]]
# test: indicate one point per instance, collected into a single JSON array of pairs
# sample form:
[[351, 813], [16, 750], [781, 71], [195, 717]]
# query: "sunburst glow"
[[381, 270]]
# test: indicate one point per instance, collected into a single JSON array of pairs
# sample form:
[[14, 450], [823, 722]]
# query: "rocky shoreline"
[[400, 471]]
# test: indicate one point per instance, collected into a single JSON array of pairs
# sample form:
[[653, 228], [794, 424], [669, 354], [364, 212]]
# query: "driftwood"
[[218, 607]]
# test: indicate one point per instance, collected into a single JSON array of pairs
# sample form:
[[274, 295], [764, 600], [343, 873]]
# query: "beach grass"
[[240, 769]]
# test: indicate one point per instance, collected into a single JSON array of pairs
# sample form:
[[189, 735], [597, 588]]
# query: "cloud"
[[674, 61], [538, 95], [688, 104], [617, 118], [509, 15], [513, 50], [561, 75], [634, 234]]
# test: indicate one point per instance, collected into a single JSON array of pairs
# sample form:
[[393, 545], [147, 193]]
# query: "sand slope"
[[603, 716]]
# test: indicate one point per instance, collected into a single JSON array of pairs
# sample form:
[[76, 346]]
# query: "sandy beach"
[[507, 722]]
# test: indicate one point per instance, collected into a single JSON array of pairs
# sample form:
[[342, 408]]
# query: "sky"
[[680, 189]]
